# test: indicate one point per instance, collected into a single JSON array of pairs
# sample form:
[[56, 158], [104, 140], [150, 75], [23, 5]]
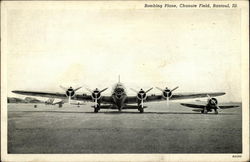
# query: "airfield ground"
[[176, 129]]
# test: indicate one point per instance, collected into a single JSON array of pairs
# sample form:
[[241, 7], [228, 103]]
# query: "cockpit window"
[[119, 90]]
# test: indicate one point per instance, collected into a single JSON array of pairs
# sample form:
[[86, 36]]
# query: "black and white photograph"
[[124, 81]]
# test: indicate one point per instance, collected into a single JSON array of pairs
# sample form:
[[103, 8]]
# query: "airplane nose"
[[118, 96]]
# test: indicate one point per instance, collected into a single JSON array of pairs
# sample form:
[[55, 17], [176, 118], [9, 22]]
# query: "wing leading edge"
[[83, 97], [177, 96]]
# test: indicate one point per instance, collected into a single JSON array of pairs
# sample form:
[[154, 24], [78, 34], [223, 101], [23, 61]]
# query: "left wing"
[[177, 96], [193, 105]]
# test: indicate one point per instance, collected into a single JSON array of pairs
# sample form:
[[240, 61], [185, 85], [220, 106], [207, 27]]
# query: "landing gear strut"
[[140, 109], [215, 111], [96, 110], [204, 111]]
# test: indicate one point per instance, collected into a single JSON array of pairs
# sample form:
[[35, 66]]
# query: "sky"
[[197, 50]]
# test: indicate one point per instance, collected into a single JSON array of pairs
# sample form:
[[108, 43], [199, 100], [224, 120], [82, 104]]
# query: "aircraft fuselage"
[[119, 96]]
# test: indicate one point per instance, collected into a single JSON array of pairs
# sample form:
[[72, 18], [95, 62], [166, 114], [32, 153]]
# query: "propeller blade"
[[159, 88], [64, 88], [134, 90], [69, 99], [167, 102], [149, 90], [174, 89], [77, 88], [96, 103], [103, 90], [142, 103]]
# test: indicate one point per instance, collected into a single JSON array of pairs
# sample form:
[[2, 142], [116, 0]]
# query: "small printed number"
[[236, 156]]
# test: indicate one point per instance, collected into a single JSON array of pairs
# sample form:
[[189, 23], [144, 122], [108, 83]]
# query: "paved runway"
[[176, 129]]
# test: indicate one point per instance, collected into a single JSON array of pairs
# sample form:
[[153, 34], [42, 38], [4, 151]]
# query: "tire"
[[96, 110], [215, 111], [141, 110]]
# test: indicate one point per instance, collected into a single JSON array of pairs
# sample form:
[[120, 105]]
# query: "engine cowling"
[[212, 101], [96, 94], [167, 93], [141, 95], [70, 92]]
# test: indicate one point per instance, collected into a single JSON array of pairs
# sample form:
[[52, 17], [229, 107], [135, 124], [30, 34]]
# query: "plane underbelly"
[[119, 101]]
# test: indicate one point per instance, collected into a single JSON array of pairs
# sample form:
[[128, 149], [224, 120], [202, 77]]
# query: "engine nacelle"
[[70, 92], [96, 94], [141, 95], [167, 93], [212, 101]]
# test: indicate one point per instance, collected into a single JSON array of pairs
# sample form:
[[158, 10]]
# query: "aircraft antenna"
[[118, 78]]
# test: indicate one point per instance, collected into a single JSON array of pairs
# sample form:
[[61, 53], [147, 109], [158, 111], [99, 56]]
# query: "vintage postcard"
[[125, 80]]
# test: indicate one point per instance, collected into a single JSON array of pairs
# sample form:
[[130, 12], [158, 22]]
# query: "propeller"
[[141, 94], [96, 94], [167, 93], [70, 92], [213, 101]]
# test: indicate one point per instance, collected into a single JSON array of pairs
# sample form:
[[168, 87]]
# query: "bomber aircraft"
[[209, 106], [119, 98]]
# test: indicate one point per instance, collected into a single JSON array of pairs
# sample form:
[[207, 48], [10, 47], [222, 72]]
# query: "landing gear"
[[96, 110], [60, 105], [140, 109], [215, 111], [204, 111]]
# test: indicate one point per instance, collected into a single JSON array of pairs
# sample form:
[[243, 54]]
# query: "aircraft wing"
[[41, 94], [193, 105], [80, 97], [228, 106], [177, 96], [202, 106]]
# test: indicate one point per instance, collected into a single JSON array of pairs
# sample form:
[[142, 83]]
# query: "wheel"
[[96, 110], [59, 105], [215, 111], [141, 110], [205, 111]]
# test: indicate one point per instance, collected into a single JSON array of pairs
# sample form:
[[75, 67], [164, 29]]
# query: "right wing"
[[229, 106]]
